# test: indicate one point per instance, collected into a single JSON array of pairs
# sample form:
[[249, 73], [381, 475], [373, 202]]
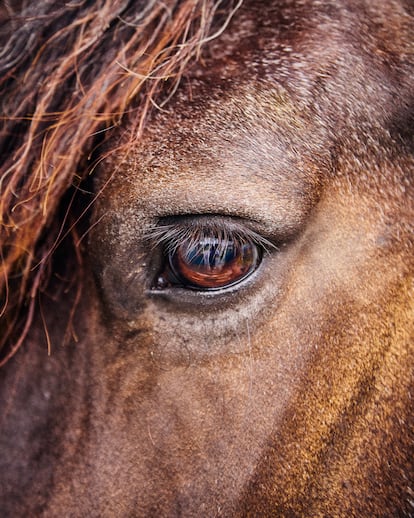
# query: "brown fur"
[[291, 395], [68, 73]]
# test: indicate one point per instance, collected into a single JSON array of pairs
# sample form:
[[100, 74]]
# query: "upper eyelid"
[[170, 236]]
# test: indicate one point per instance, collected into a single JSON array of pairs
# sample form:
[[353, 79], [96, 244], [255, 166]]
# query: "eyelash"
[[214, 241], [173, 235]]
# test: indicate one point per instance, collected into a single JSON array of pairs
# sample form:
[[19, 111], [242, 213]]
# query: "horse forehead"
[[216, 156], [254, 104], [243, 129]]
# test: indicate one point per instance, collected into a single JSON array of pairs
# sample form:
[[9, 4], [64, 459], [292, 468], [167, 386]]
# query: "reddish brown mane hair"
[[69, 72]]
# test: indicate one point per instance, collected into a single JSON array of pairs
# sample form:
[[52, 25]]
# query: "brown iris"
[[211, 263]]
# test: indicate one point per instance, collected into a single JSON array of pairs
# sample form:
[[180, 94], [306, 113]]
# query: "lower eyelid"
[[190, 300]]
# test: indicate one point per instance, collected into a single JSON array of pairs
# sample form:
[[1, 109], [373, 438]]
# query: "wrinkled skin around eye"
[[213, 264]]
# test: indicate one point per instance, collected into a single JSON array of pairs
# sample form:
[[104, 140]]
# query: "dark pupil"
[[213, 263]]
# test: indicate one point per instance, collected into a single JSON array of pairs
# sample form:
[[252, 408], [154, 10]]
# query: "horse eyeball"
[[212, 263]]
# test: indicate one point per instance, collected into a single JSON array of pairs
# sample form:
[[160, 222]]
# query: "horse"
[[207, 268]]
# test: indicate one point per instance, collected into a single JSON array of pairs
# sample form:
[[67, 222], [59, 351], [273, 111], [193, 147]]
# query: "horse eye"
[[210, 262]]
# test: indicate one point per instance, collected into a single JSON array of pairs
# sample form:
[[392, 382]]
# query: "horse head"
[[243, 339]]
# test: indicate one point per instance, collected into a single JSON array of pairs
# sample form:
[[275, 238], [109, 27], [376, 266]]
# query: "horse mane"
[[69, 73]]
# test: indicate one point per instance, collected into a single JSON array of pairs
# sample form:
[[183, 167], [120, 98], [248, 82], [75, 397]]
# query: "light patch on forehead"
[[249, 155]]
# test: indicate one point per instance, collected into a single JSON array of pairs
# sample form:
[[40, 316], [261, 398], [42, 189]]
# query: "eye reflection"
[[213, 263], [206, 253]]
